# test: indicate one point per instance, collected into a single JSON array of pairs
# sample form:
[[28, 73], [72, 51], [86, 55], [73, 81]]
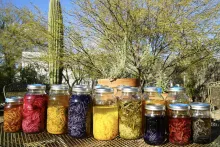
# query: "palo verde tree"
[[55, 41], [146, 39]]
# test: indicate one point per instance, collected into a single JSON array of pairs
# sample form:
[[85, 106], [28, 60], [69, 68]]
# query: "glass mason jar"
[[105, 115], [177, 94], [80, 112], [154, 128], [152, 97], [179, 124], [34, 109], [130, 114], [13, 114], [201, 123], [57, 109]]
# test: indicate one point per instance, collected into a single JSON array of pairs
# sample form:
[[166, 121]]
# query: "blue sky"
[[43, 5]]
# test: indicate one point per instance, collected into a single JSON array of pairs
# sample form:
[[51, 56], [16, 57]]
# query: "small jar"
[[13, 114], [57, 109], [34, 109], [152, 97], [155, 120], [179, 124], [105, 114], [80, 112], [130, 114], [201, 123], [176, 94]]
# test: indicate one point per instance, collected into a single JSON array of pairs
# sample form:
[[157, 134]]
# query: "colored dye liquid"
[[130, 119], [201, 130], [80, 116], [105, 122], [155, 131], [12, 118], [34, 113], [180, 130]]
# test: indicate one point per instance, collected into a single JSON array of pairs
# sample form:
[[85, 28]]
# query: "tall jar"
[[57, 109], [179, 124], [176, 94], [152, 97], [130, 114], [34, 109], [201, 123], [13, 114], [80, 112], [105, 115], [154, 128]]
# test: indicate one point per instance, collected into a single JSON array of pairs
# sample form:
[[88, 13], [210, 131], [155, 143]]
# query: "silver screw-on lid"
[[200, 106], [130, 89], [150, 89], [98, 86], [179, 106], [81, 88], [59, 87], [176, 89], [104, 90], [13, 99], [155, 107], [36, 86], [121, 87]]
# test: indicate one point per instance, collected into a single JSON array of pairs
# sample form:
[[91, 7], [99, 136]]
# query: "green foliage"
[[139, 38], [55, 43], [30, 75], [20, 30]]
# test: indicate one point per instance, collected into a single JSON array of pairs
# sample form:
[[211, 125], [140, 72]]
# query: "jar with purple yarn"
[[80, 113], [155, 122]]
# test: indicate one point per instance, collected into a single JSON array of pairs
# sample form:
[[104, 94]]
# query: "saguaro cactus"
[[55, 41]]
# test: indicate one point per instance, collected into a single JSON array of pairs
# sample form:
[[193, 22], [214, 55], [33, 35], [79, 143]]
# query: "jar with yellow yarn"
[[105, 115], [58, 109]]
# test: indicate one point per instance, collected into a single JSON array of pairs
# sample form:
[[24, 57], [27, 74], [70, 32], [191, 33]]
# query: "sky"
[[43, 5]]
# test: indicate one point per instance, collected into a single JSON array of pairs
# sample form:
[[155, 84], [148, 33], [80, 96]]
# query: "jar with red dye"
[[179, 124], [34, 109]]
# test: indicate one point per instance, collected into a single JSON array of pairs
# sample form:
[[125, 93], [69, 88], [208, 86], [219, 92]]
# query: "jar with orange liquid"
[[13, 114], [57, 109]]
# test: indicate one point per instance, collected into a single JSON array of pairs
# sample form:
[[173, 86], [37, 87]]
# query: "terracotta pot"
[[115, 83]]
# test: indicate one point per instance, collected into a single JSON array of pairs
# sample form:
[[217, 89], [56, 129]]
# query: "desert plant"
[[55, 42]]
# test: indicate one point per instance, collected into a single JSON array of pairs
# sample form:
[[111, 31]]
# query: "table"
[[45, 139]]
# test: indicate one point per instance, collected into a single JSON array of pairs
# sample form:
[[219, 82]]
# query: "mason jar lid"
[[36, 86], [104, 90], [81, 88], [150, 89], [130, 89], [155, 107], [120, 87], [179, 106], [13, 99], [176, 89], [98, 86], [200, 106], [59, 87]]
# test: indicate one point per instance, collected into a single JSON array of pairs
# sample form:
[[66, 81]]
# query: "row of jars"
[[128, 115]]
